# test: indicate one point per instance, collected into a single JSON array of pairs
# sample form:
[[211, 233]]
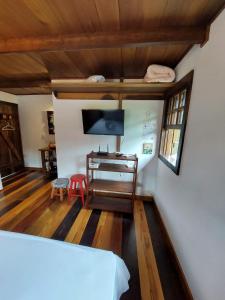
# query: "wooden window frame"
[[184, 84]]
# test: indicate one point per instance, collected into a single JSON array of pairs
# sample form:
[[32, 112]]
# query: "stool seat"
[[78, 177], [60, 183]]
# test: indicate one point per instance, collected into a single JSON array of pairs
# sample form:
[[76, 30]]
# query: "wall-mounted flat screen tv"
[[103, 122]]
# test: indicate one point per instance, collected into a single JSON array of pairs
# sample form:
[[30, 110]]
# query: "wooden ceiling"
[[42, 40]]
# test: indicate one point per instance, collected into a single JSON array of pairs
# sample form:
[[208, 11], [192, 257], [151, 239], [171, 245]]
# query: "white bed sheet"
[[34, 268]]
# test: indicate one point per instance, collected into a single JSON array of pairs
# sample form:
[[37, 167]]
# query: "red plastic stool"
[[77, 179]]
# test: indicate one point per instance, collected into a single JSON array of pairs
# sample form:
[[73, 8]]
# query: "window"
[[174, 123]]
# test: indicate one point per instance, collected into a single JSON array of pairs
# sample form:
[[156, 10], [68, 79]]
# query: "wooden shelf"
[[71, 89], [111, 186], [109, 194], [107, 167], [110, 204], [71, 85], [112, 156]]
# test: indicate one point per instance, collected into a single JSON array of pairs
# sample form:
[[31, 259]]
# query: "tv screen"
[[103, 122]]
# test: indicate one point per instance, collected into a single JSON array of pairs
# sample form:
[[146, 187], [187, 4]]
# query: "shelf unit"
[[110, 194], [49, 161]]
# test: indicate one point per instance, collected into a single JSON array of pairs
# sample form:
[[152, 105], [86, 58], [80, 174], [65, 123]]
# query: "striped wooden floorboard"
[[26, 207]]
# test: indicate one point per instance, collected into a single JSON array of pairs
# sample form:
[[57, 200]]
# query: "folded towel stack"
[[158, 73]]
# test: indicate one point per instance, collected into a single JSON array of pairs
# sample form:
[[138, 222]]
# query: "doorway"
[[11, 154]]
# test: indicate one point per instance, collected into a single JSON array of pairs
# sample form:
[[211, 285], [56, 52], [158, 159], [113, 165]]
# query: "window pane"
[[168, 119], [169, 145], [165, 144], [180, 117], [182, 98], [174, 118], [171, 104], [175, 145], [176, 101], [162, 142], [169, 142]]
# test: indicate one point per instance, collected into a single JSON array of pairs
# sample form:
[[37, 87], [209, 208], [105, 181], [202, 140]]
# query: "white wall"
[[193, 204], [72, 145], [142, 125], [34, 126]]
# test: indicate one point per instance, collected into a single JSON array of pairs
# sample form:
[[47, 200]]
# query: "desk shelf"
[[110, 167]]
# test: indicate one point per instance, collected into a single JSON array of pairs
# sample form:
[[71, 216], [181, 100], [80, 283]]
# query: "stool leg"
[[69, 194], [75, 190], [86, 189], [82, 192], [85, 184], [52, 193], [61, 194]]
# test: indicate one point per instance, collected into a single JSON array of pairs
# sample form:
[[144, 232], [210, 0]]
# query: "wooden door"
[[11, 154]]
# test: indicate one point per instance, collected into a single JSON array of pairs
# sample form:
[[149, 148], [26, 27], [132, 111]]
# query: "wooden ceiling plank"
[[108, 13], [23, 18], [58, 62], [156, 36]]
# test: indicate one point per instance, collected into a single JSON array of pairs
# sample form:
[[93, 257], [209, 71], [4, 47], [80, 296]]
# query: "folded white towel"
[[96, 78], [158, 73]]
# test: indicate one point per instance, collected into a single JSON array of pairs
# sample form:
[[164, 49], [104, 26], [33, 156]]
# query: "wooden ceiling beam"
[[42, 83], [156, 36], [109, 96]]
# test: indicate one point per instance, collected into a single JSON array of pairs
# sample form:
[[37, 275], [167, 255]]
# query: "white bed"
[[34, 268]]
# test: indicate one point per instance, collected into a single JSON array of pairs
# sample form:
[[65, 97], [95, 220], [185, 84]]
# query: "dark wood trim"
[[177, 264], [217, 13], [86, 96], [118, 138], [147, 198], [33, 169], [207, 32], [143, 96], [153, 36], [184, 83], [25, 83], [109, 96]]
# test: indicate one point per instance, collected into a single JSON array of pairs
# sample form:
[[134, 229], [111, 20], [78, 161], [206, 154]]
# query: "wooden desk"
[[110, 194]]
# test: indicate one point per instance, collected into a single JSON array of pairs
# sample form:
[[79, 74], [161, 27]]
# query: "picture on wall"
[[147, 148]]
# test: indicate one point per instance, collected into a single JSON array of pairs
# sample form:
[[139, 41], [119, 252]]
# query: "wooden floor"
[[25, 206]]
